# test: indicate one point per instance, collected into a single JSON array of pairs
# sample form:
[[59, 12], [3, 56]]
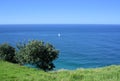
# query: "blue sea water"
[[80, 46]]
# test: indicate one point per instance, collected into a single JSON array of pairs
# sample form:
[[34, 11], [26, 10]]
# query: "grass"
[[14, 72]]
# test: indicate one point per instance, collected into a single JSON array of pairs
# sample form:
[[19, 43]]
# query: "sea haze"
[[80, 46]]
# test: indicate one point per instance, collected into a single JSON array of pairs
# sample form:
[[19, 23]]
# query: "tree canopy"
[[7, 53], [34, 52]]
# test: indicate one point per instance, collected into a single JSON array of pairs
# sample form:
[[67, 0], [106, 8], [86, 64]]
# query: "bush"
[[37, 53], [7, 53]]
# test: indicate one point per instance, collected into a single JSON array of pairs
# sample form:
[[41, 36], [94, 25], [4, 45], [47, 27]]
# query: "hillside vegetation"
[[14, 72]]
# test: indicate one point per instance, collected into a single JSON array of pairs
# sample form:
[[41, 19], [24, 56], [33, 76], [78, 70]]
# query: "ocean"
[[80, 46]]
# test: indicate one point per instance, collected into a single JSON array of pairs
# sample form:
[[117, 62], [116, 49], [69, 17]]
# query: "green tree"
[[37, 53], [7, 53]]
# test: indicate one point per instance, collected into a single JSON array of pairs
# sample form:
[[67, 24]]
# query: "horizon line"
[[59, 24]]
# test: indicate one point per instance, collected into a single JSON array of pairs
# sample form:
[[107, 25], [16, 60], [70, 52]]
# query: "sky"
[[59, 11]]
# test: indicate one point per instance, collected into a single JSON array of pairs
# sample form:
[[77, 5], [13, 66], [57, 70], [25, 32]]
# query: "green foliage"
[[7, 53], [14, 72], [37, 53]]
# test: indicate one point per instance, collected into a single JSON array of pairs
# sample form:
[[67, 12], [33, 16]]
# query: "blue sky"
[[59, 11]]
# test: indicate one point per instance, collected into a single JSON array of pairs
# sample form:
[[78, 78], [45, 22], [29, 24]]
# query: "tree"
[[37, 53], [7, 53]]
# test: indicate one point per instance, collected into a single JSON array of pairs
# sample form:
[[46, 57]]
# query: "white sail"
[[59, 35]]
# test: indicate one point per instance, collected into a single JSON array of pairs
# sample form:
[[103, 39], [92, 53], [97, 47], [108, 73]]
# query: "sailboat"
[[59, 34]]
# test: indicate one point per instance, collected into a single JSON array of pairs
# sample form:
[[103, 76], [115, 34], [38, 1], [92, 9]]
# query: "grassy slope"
[[13, 72]]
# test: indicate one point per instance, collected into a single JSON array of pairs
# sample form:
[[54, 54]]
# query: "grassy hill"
[[14, 72]]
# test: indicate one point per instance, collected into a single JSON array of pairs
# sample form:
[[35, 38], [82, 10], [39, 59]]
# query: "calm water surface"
[[85, 46]]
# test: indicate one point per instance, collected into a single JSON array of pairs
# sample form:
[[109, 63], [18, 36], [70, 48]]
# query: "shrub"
[[37, 53], [7, 53]]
